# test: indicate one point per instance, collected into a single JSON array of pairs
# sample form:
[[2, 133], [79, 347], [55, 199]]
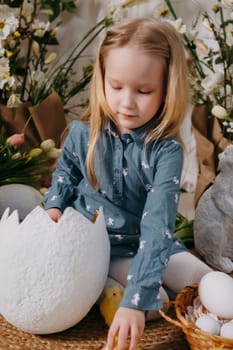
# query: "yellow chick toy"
[[109, 306], [110, 303]]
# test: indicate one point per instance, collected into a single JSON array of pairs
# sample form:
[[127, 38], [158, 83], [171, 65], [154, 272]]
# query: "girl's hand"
[[126, 323], [55, 214]]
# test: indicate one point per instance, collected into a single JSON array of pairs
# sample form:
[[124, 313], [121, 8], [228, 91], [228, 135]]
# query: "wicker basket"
[[197, 339]]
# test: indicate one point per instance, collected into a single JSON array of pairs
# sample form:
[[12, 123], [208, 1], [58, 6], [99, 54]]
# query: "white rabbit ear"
[[5, 215]]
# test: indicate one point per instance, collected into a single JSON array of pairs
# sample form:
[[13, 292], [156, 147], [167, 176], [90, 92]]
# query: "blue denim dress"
[[139, 189]]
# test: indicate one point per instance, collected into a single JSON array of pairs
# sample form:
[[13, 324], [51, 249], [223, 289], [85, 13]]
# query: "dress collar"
[[138, 135]]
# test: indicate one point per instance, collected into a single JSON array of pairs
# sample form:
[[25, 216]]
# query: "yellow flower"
[[17, 34], [9, 54]]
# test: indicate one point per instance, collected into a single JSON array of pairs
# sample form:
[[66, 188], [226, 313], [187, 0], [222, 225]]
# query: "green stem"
[[28, 55], [59, 69], [188, 45], [221, 48]]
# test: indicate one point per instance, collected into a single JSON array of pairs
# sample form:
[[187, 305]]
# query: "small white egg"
[[215, 291], [227, 330], [208, 324]]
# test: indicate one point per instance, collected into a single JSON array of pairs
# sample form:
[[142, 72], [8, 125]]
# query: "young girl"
[[124, 156]]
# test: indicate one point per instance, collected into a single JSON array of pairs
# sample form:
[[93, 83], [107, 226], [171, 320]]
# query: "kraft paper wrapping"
[[47, 120], [209, 142]]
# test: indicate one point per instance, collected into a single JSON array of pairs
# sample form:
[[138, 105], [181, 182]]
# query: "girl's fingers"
[[134, 338], [111, 340], [123, 338]]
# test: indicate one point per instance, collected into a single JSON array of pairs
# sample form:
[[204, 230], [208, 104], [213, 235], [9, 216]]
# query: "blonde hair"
[[152, 36]]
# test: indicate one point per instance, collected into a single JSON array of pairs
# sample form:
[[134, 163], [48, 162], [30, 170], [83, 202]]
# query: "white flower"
[[8, 23], [227, 3], [27, 11], [14, 101], [212, 81], [40, 27], [6, 78], [37, 77], [179, 26], [161, 10], [202, 47], [4, 65], [206, 24], [2, 49], [192, 34]]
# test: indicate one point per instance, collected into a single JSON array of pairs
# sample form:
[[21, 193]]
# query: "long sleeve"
[[157, 226], [66, 176]]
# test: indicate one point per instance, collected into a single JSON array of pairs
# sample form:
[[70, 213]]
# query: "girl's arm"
[[156, 231], [67, 174], [156, 242]]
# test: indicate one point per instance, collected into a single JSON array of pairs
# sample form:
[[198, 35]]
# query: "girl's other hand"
[[126, 323], [55, 214]]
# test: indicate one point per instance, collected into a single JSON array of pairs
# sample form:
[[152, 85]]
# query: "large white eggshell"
[[216, 293], [51, 273], [24, 198]]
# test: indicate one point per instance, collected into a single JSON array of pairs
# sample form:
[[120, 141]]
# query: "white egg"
[[208, 324], [227, 330], [215, 291]]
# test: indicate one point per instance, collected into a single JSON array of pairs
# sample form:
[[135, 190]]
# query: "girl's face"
[[134, 86]]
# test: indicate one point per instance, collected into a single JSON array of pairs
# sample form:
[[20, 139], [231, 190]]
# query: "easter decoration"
[[51, 273], [204, 312], [110, 303], [212, 309], [213, 222], [108, 307]]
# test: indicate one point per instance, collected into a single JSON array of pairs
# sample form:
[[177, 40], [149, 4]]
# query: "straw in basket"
[[197, 339]]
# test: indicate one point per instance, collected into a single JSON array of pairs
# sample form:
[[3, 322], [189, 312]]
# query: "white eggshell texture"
[[51, 273], [216, 293]]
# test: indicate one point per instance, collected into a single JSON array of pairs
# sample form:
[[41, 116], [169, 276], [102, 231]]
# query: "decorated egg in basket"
[[51, 273]]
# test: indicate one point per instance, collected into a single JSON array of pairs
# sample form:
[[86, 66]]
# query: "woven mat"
[[90, 334]]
